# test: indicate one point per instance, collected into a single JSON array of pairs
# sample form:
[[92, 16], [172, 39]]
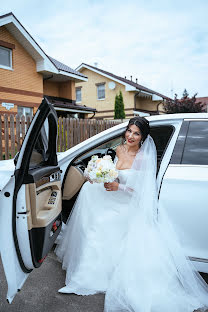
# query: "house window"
[[78, 94], [101, 91], [5, 58]]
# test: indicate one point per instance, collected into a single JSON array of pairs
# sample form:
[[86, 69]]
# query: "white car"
[[40, 184]]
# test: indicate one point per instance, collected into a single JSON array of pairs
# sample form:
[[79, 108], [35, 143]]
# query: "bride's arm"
[[124, 188], [115, 186]]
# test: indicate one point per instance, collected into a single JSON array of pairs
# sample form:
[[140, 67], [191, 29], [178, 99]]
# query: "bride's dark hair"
[[142, 123]]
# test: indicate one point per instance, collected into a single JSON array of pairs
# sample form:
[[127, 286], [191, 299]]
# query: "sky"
[[162, 43]]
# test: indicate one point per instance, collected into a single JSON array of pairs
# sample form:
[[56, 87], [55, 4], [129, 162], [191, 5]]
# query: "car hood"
[[6, 171]]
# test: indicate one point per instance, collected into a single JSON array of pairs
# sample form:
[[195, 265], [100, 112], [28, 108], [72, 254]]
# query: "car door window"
[[196, 144], [161, 136], [44, 145], [107, 147]]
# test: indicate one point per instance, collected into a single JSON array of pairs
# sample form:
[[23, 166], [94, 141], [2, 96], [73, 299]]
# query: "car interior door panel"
[[43, 203], [41, 176]]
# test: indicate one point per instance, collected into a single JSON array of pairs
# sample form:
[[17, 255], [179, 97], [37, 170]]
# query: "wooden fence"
[[70, 132]]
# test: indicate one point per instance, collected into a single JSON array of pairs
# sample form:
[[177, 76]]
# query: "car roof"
[[178, 116], [158, 118], [164, 117]]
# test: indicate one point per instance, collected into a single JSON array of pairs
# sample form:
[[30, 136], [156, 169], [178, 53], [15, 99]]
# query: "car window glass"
[[100, 150], [161, 136], [39, 152], [196, 145], [179, 145]]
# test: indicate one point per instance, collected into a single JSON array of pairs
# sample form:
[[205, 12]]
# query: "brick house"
[[27, 73], [101, 88]]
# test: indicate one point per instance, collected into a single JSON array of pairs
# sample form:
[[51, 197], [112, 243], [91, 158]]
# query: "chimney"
[[125, 77], [96, 64], [136, 80], [131, 78]]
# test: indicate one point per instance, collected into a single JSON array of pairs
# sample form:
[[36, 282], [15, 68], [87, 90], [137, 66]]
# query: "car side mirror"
[[16, 158]]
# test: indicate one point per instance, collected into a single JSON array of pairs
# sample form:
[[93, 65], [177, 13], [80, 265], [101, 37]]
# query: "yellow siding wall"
[[89, 94], [105, 107], [146, 104], [23, 77]]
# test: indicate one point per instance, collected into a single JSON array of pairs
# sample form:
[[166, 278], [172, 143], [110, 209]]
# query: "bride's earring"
[[141, 142]]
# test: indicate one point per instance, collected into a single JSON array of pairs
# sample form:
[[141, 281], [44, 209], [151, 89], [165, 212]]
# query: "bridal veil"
[[152, 274]]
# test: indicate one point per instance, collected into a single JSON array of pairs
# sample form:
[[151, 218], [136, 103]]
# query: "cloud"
[[162, 43]]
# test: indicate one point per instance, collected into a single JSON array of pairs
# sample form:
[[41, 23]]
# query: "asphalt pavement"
[[40, 292]]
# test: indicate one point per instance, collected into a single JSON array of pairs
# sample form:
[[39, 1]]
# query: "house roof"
[[136, 86], [66, 103], [203, 100], [44, 64], [65, 68]]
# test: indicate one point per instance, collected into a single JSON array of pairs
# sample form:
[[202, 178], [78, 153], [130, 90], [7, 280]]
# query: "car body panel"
[[6, 171], [13, 272], [187, 208]]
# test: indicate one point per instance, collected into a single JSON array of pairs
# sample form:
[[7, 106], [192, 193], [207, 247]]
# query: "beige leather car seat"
[[73, 182]]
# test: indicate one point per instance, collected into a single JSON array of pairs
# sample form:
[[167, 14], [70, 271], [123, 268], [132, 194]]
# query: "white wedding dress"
[[116, 243], [99, 221]]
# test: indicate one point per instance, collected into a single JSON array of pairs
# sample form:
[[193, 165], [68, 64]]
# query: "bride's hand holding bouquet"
[[113, 186], [102, 170]]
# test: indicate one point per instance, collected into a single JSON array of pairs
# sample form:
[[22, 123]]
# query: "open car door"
[[30, 203]]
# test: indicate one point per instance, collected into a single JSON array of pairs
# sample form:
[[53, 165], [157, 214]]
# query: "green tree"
[[183, 105], [185, 94], [119, 112], [116, 107]]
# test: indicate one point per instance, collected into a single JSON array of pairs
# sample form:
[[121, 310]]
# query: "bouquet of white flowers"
[[101, 170]]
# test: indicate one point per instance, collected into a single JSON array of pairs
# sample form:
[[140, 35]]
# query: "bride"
[[118, 241]]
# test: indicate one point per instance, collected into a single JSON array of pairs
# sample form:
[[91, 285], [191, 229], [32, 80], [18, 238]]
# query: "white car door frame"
[[30, 203]]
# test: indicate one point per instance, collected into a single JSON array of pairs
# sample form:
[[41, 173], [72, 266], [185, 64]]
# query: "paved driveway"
[[39, 293]]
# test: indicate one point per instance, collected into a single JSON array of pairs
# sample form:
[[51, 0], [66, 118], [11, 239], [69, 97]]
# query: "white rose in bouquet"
[[101, 170]]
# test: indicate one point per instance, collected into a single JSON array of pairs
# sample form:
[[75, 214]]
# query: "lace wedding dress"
[[122, 244]]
